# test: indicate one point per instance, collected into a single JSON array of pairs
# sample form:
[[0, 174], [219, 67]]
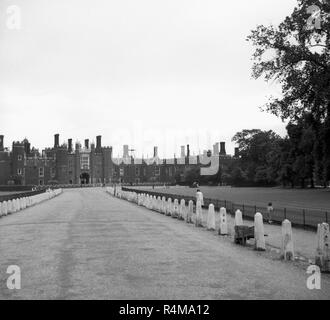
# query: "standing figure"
[[270, 211], [199, 196]]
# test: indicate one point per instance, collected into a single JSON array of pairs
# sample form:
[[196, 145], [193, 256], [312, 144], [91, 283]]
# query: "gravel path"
[[86, 244]]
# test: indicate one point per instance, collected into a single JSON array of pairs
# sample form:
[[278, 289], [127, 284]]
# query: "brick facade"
[[89, 164]]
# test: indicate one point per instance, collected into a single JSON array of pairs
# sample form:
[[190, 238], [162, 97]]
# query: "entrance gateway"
[[84, 178]]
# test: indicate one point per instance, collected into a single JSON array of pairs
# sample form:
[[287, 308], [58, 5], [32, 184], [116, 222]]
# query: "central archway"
[[84, 178]]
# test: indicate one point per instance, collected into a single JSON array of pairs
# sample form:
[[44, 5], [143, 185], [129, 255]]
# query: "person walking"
[[199, 196], [270, 211]]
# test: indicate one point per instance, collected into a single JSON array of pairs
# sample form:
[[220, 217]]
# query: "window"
[[84, 162], [19, 158], [157, 171], [52, 172], [121, 172], [41, 182], [19, 171], [137, 171], [41, 171]]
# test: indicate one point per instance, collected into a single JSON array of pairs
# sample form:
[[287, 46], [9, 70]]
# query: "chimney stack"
[[70, 145], [98, 142], [86, 143], [223, 148], [183, 152], [188, 151], [1, 143], [56, 140], [27, 146], [155, 152]]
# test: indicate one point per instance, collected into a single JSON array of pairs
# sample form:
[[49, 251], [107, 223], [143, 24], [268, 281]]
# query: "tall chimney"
[[27, 146], [183, 152], [56, 140], [86, 143], [1, 143], [155, 152], [98, 142], [70, 145], [236, 152], [188, 151], [223, 148]]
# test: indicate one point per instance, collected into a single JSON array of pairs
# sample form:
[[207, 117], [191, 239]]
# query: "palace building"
[[91, 164]]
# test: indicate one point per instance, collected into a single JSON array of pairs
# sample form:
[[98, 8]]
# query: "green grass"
[[309, 199]]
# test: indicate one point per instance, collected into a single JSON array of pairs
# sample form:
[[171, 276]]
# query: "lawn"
[[311, 199]]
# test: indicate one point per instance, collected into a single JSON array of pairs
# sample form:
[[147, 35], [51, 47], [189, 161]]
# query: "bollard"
[[182, 210], [287, 241], [190, 211], [163, 205], [14, 205], [169, 208], [238, 218], [18, 205], [175, 212], [322, 258], [259, 234], [199, 214], [211, 218], [4, 208], [159, 204], [10, 207], [154, 203], [223, 230]]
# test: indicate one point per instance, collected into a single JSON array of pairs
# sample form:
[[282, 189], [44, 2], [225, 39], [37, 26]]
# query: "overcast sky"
[[137, 72]]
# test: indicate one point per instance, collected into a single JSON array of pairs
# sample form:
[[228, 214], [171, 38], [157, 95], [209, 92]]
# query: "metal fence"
[[306, 218]]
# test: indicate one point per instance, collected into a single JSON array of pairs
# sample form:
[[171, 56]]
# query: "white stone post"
[[10, 206], [18, 205], [190, 211], [211, 218], [322, 258], [238, 218], [182, 209], [159, 204], [223, 230], [199, 214], [175, 212], [259, 234], [169, 207], [287, 241], [163, 205], [4, 208]]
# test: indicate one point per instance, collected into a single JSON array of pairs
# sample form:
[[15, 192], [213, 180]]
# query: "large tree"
[[296, 54], [258, 151]]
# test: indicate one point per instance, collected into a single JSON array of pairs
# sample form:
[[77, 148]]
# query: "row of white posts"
[[180, 211], [18, 204]]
